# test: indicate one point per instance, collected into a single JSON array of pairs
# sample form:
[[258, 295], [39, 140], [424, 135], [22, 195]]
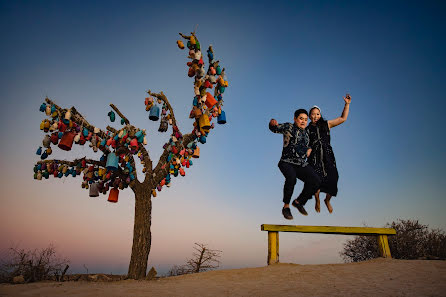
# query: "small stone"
[[93, 278], [18, 279], [104, 278], [152, 274], [99, 278]]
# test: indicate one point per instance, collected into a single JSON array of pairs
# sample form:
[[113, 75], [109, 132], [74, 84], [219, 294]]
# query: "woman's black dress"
[[322, 158]]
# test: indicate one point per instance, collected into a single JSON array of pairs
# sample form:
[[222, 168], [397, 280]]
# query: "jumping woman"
[[322, 158]]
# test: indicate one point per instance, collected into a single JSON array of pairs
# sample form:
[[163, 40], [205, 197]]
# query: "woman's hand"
[[347, 99], [273, 122]]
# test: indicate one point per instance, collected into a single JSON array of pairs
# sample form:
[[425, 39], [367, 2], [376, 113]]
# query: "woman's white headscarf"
[[315, 106]]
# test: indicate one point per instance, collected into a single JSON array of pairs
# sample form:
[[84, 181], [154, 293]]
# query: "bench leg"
[[383, 246], [273, 247]]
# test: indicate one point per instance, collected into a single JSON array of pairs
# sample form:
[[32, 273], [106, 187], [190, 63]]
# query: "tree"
[[203, 259], [116, 168], [413, 240]]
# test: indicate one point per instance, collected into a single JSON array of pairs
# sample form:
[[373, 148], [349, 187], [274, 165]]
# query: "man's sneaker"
[[287, 213], [300, 208]]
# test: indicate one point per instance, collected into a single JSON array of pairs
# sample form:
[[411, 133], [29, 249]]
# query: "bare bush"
[[178, 270], [361, 248], [33, 265], [413, 240], [203, 259]]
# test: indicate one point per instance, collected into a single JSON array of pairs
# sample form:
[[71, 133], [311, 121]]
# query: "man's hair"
[[299, 111]]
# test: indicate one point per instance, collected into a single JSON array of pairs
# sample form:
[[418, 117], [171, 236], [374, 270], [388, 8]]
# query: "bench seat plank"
[[329, 229]]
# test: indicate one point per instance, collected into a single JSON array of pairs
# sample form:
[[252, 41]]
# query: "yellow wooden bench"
[[273, 236]]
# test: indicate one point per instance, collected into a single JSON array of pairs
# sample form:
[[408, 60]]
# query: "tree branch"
[[132, 162], [125, 151], [77, 118], [120, 114], [102, 164], [147, 164], [132, 130], [74, 162], [163, 98], [112, 130], [158, 172], [184, 36]]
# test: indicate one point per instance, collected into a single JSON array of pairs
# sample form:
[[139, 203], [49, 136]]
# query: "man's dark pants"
[[306, 174]]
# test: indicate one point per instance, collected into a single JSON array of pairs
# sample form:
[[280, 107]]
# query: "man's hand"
[[308, 152], [273, 122]]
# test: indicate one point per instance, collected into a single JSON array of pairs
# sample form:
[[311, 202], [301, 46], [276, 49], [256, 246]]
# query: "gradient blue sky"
[[279, 56]]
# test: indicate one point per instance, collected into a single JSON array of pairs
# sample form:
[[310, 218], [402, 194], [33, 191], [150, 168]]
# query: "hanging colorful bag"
[[112, 162], [210, 100], [222, 118], [154, 113], [66, 142], [113, 196]]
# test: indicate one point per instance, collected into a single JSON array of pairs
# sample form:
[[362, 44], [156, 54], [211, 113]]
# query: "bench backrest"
[[329, 229]]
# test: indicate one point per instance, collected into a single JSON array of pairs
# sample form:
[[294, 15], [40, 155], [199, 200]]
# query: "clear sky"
[[279, 56]]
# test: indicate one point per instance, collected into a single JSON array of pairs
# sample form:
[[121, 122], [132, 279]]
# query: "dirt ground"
[[379, 277]]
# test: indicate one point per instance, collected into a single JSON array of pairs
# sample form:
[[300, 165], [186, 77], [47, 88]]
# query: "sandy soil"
[[378, 277]]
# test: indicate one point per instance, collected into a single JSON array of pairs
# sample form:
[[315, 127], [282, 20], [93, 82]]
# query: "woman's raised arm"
[[344, 115]]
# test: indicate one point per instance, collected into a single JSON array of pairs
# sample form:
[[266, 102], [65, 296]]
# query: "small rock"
[[104, 278], [152, 274], [93, 278], [75, 277], [99, 278], [18, 279]]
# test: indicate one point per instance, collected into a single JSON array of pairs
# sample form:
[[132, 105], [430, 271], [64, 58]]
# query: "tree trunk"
[[199, 261], [142, 237]]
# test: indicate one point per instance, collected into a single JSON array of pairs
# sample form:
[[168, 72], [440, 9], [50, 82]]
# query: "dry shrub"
[[203, 259], [33, 265], [413, 240], [178, 270]]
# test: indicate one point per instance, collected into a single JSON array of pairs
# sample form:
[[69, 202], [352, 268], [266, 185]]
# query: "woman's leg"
[[330, 185], [327, 203], [318, 201]]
